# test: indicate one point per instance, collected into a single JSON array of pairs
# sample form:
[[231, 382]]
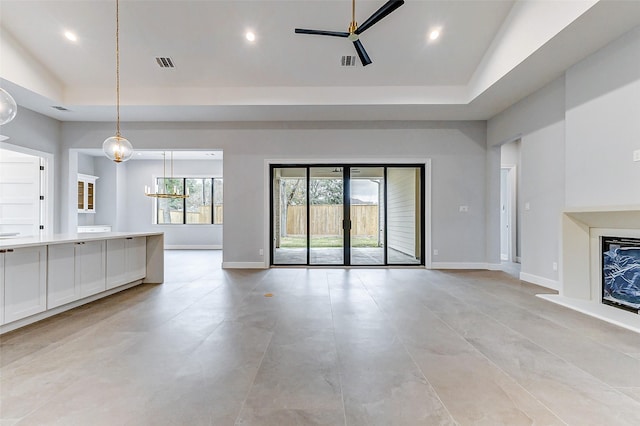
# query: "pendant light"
[[116, 147], [163, 191], [8, 107]]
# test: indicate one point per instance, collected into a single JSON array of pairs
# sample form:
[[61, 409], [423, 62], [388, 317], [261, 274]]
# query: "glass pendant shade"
[[117, 148], [8, 107]]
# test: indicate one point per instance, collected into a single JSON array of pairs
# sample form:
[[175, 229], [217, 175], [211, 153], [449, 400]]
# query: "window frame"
[[184, 200]]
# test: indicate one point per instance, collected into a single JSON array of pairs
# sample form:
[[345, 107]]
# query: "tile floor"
[[332, 346]]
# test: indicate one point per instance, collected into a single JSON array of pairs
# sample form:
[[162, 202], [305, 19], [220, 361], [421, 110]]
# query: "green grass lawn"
[[300, 241]]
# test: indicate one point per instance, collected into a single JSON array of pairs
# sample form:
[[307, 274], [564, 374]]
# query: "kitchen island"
[[43, 276]]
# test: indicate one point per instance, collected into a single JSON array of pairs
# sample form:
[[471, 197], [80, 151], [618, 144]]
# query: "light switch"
[[636, 155], [527, 206]]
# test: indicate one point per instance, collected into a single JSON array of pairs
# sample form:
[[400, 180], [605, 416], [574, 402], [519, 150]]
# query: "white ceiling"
[[220, 76]]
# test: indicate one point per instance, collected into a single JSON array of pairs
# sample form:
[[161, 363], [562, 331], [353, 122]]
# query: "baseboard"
[[541, 281], [459, 265], [193, 247], [243, 265], [494, 266]]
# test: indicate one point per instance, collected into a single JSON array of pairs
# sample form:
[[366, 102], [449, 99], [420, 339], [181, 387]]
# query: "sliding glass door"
[[326, 216], [347, 214], [366, 202]]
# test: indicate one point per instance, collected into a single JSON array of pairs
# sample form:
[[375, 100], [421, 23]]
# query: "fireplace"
[[621, 272], [581, 266]]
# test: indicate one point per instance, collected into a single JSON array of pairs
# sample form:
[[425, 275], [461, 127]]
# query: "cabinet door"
[[136, 259], [25, 282], [90, 267], [116, 261], [81, 193], [61, 282]]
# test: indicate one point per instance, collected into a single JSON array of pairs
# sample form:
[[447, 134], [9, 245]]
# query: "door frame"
[[47, 186], [512, 209], [426, 196]]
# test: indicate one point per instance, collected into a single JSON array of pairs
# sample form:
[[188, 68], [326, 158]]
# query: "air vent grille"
[[165, 62], [348, 61], [59, 108]]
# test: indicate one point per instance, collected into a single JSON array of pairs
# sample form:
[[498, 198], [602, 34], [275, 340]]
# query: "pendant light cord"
[[118, 68]]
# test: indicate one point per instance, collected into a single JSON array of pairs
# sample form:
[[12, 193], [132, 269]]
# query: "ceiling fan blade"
[[321, 32], [386, 9], [364, 58]]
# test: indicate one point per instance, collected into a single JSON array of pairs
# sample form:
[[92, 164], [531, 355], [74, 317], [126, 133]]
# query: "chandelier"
[[116, 147]]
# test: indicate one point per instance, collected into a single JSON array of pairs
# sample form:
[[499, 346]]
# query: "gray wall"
[[578, 136], [603, 126], [457, 150], [140, 207], [538, 121], [35, 131]]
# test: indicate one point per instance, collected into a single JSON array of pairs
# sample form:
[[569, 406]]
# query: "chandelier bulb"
[[8, 107]]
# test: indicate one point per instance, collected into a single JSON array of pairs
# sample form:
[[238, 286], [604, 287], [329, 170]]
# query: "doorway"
[[347, 214]]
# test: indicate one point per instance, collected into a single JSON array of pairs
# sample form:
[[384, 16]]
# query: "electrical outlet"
[[527, 206], [436, 252], [555, 266], [464, 209], [261, 252], [636, 155]]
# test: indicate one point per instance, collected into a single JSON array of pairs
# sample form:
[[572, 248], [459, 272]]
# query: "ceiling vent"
[[165, 62], [59, 108], [348, 61]]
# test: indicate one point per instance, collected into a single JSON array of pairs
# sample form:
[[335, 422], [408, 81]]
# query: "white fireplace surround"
[[580, 266]]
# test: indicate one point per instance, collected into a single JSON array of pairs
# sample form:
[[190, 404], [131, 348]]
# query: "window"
[[203, 206]]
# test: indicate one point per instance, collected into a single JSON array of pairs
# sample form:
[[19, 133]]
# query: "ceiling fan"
[[354, 30]]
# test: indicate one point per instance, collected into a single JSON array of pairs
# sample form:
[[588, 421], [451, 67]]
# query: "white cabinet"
[[75, 271], [90, 267], [126, 260], [86, 193], [23, 282], [61, 281]]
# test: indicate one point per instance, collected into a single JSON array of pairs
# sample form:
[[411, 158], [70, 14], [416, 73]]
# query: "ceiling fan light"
[[117, 149], [8, 107]]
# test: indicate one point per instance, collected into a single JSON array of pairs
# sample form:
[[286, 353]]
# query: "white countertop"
[[68, 238]]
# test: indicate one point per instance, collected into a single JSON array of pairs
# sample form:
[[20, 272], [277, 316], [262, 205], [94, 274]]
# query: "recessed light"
[[70, 36], [434, 34], [250, 36]]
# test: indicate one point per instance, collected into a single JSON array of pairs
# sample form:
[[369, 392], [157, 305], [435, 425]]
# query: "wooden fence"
[[327, 219]]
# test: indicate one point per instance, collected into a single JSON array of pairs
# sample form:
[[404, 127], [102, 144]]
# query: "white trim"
[[193, 247], [616, 316], [541, 281], [494, 266], [461, 265], [518, 259], [244, 265]]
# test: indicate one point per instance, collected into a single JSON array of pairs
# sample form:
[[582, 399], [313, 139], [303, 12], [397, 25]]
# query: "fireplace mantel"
[[580, 263]]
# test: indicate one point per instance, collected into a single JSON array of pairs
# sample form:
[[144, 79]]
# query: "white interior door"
[[20, 190]]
